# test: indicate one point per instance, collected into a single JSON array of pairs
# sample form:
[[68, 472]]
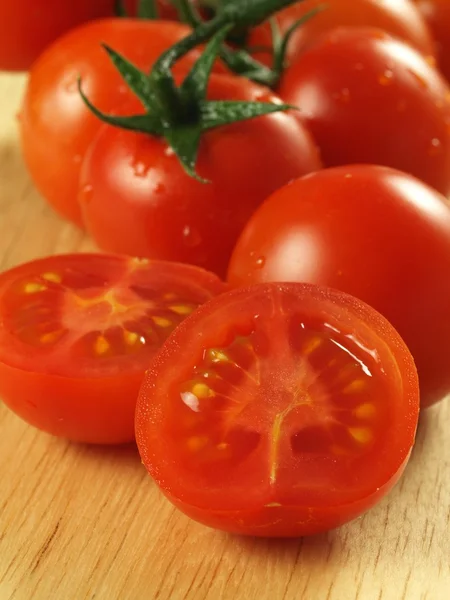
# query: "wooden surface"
[[81, 523]]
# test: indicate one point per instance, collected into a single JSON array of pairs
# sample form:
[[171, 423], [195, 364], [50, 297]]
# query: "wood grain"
[[81, 523]]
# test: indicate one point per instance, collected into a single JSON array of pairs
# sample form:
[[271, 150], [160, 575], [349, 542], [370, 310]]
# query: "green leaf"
[[249, 13], [119, 9], [281, 45], [143, 123], [138, 81], [195, 85], [187, 13], [147, 9], [184, 141], [224, 112]]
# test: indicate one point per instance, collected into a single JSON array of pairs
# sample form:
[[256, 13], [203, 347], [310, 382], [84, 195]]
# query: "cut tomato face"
[[279, 410], [78, 331]]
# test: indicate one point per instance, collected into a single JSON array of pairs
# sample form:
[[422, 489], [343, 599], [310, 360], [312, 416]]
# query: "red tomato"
[[27, 27], [136, 199], [278, 410], [372, 232], [56, 127], [367, 98], [77, 333], [399, 18], [437, 14]]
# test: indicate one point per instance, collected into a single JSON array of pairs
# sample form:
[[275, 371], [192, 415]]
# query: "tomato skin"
[[56, 128], [28, 27], [437, 14], [230, 502], [399, 18], [137, 200], [372, 232], [51, 389], [360, 92]]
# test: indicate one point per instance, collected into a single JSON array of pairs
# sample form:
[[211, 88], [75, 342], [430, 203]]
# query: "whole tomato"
[[368, 98], [27, 27], [56, 128], [437, 14], [136, 198], [373, 232], [399, 18]]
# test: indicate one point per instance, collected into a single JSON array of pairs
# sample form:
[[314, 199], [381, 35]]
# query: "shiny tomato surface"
[[278, 410], [77, 333], [372, 232]]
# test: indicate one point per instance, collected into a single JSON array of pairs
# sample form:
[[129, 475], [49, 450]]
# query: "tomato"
[[27, 27], [372, 232], [77, 333], [367, 98], [136, 198], [399, 18], [437, 15], [278, 410], [56, 128]]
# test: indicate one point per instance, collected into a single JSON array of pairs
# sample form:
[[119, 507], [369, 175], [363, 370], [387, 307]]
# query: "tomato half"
[[437, 14], [56, 128], [368, 98], [27, 27], [399, 18], [77, 333], [278, 410], [372, 232], [136, 198]]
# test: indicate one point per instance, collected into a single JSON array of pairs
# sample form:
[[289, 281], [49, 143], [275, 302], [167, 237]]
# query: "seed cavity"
[[101, 345], [34, 288], [53, 277]]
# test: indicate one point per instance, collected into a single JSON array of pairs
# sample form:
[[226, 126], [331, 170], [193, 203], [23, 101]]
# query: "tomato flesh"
[[82, 329], [293, 411], [372, 232]]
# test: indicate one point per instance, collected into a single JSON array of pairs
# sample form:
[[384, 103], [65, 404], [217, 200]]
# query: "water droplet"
[[348, 176], [435, 147], [386, 78], [169, 151], [140, 169], [87, 193], [379, 35], [260, 262], [191, 237], [342, 96], [71, 85], [420, 80], [159, 188]]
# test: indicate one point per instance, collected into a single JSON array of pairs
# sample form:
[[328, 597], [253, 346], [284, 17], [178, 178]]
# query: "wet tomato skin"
[[64, 365], [400, 19], [437, 14], [136, 198], [370, 231], [367, 98], [56, 128], [272, 343]]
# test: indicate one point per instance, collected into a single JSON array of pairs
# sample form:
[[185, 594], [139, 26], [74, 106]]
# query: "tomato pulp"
[[77, 333], [278, 410], [373, 232]]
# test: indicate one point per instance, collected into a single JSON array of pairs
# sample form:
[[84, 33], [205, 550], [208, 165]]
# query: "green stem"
[[147, 9]]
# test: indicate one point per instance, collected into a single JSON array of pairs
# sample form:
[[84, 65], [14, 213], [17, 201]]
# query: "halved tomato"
[[78, 331], [279, 410]]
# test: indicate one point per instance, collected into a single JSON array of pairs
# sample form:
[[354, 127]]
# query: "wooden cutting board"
[[78, 523]]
